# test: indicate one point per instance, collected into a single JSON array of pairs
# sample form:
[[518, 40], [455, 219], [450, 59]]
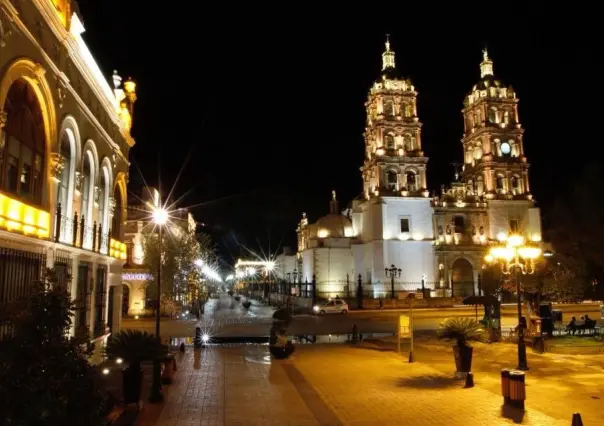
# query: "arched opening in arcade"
[[462, 278], [125, 300]]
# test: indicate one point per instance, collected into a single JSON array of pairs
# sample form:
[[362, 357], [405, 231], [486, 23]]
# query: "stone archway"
[[125, 300], [462, 278]]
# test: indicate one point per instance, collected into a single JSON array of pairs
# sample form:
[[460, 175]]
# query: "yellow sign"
[[403, 326]]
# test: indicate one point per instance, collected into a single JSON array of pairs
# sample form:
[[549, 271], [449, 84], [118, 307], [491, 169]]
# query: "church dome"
[[486, 82], [334, 225]]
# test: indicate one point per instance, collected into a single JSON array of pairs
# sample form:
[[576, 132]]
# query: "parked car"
[[332, 307]]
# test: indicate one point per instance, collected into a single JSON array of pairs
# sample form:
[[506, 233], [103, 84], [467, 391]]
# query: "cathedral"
[[436, 241]]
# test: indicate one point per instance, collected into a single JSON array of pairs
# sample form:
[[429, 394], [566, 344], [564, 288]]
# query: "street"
[[225, 317]]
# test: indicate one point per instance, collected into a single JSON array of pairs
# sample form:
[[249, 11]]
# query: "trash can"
[[517, 388], [505, 385], [168, 371]]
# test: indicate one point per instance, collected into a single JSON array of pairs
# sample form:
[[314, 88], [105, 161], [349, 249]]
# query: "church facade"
[[438, 241]]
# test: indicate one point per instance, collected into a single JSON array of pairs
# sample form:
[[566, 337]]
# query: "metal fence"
[[349, 288], [18, 271]]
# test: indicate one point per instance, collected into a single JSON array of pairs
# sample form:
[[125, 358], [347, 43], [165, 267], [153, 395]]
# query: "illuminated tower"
[[494, 161], [394, 161]]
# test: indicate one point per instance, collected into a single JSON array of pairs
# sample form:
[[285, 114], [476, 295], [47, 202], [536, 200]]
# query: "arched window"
[[389, 109], [499, 182], [506, 117], [516, 185], [391, 179], [469, 156], [477, 153], [22, 148], [411, 182], [87, 194], [103, 220], [493, 115], [63, 194], [389, 141], [408, 143], [116, 222]]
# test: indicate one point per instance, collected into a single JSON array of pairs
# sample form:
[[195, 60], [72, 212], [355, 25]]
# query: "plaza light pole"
[[392, 273], [160, 218], [518, 258]]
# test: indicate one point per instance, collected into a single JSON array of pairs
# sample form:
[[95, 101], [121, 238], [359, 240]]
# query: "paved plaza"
[[337, 385], [366, 384]]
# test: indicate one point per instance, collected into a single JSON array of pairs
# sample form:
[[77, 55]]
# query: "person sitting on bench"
[[571, 327]]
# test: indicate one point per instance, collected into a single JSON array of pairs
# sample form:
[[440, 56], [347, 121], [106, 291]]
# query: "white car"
[[332, 307]]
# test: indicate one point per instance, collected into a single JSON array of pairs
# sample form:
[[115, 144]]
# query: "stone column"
[[74, 284], [117, 307], [3, 120], [526, 188], [57, 164]]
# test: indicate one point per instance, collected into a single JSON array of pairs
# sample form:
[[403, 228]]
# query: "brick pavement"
[[323, 385]]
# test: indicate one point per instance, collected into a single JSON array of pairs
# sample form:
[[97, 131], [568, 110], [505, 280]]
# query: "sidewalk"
[[328, 385]]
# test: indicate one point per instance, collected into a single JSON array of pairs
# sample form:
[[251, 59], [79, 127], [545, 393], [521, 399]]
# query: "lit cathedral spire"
[[388, 55], [486, 66]]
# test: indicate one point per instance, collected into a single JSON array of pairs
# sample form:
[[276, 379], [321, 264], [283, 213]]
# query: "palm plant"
[[460, 330], [134, 347]]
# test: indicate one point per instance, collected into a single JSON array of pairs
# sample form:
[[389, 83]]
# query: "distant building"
[[136, 277], [440, 239], [64, 145]]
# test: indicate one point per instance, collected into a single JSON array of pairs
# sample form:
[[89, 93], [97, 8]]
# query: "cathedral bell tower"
[[395, 164], [494, 161]]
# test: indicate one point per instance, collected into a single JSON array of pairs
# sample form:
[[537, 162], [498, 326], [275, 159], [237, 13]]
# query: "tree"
[[491, 280], [182, 250], [577, 227], [45, 377]]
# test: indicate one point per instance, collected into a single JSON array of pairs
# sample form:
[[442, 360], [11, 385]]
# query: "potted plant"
[[134, 347], [461, 331], [279, 346]]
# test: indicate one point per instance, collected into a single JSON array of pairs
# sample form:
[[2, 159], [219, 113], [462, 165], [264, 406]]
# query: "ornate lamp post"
[[160, 218], [392, 273], [516, 257]]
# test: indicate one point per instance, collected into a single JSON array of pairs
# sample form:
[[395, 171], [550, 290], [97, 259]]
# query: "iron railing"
[[19, 270], [76, 232]]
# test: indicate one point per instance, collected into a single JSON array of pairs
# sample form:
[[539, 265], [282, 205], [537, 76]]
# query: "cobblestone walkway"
[[324, 385]]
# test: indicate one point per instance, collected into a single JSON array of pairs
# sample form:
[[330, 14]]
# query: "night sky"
[[267, 103]]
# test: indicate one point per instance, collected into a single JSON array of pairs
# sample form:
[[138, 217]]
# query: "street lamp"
[[160, 218], [392, 273], [518, 257]]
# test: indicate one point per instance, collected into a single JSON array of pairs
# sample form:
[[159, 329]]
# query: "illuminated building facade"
[[64, 144], [440, 240], [136, 276]]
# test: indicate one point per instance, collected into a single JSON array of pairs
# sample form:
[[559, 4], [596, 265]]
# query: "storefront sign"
[[137, 276]]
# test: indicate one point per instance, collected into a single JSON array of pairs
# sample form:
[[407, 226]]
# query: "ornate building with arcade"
[[64, 145], [437, 240]]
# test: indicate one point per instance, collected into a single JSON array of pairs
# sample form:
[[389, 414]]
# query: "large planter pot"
[[463, 358], [167, 374], [282, 351], [133, 384], [493, 335]]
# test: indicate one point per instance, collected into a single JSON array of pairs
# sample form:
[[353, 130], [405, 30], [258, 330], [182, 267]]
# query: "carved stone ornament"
[[97, 194], [57, 164], [111, 206], [79, 179], [5, 31], [3, 119], [61, 92]]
